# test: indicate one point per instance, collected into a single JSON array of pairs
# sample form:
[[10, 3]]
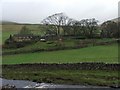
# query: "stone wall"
[[67, 66]]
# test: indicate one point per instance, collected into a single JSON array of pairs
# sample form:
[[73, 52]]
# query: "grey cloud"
[[33, 11]]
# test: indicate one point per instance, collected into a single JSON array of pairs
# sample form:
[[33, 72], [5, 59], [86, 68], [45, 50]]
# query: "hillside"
[[16, 23], [8, 22]]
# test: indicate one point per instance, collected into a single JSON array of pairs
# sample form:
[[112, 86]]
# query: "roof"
[[23, 35]]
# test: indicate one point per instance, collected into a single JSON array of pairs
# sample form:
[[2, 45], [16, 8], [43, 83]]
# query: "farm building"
[[23, 37]]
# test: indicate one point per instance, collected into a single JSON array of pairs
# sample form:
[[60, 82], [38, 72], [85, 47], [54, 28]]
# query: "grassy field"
[[107, 54], [59, 76]]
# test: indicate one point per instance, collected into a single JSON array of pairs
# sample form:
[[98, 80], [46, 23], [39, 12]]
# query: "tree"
[[25, 30], [77, 28], [10, 37], [69, 27], [59, 20], [86, 27], [51, 30], [109, 29]]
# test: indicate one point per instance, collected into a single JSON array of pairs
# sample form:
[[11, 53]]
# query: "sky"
[[34, 11]]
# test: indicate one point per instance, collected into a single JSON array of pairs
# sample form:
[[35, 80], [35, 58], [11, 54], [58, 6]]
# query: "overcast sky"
[[33, 11]]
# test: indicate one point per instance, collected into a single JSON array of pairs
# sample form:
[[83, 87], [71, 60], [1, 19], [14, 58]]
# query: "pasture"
[[106, 53], [82, 77]]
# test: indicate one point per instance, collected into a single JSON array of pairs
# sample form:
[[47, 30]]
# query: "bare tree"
[[59, 20]]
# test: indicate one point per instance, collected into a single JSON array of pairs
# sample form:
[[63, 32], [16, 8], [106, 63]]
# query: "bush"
[[49, 42]]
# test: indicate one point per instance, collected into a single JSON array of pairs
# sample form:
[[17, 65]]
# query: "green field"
[[82, 77], [107, 54]]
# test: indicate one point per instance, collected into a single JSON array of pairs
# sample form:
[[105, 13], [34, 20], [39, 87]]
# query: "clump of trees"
[[87, 28], [25, 30], [109, 29]]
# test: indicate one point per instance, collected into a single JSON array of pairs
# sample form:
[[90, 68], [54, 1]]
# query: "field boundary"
[[68, 66], [58, 48]]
